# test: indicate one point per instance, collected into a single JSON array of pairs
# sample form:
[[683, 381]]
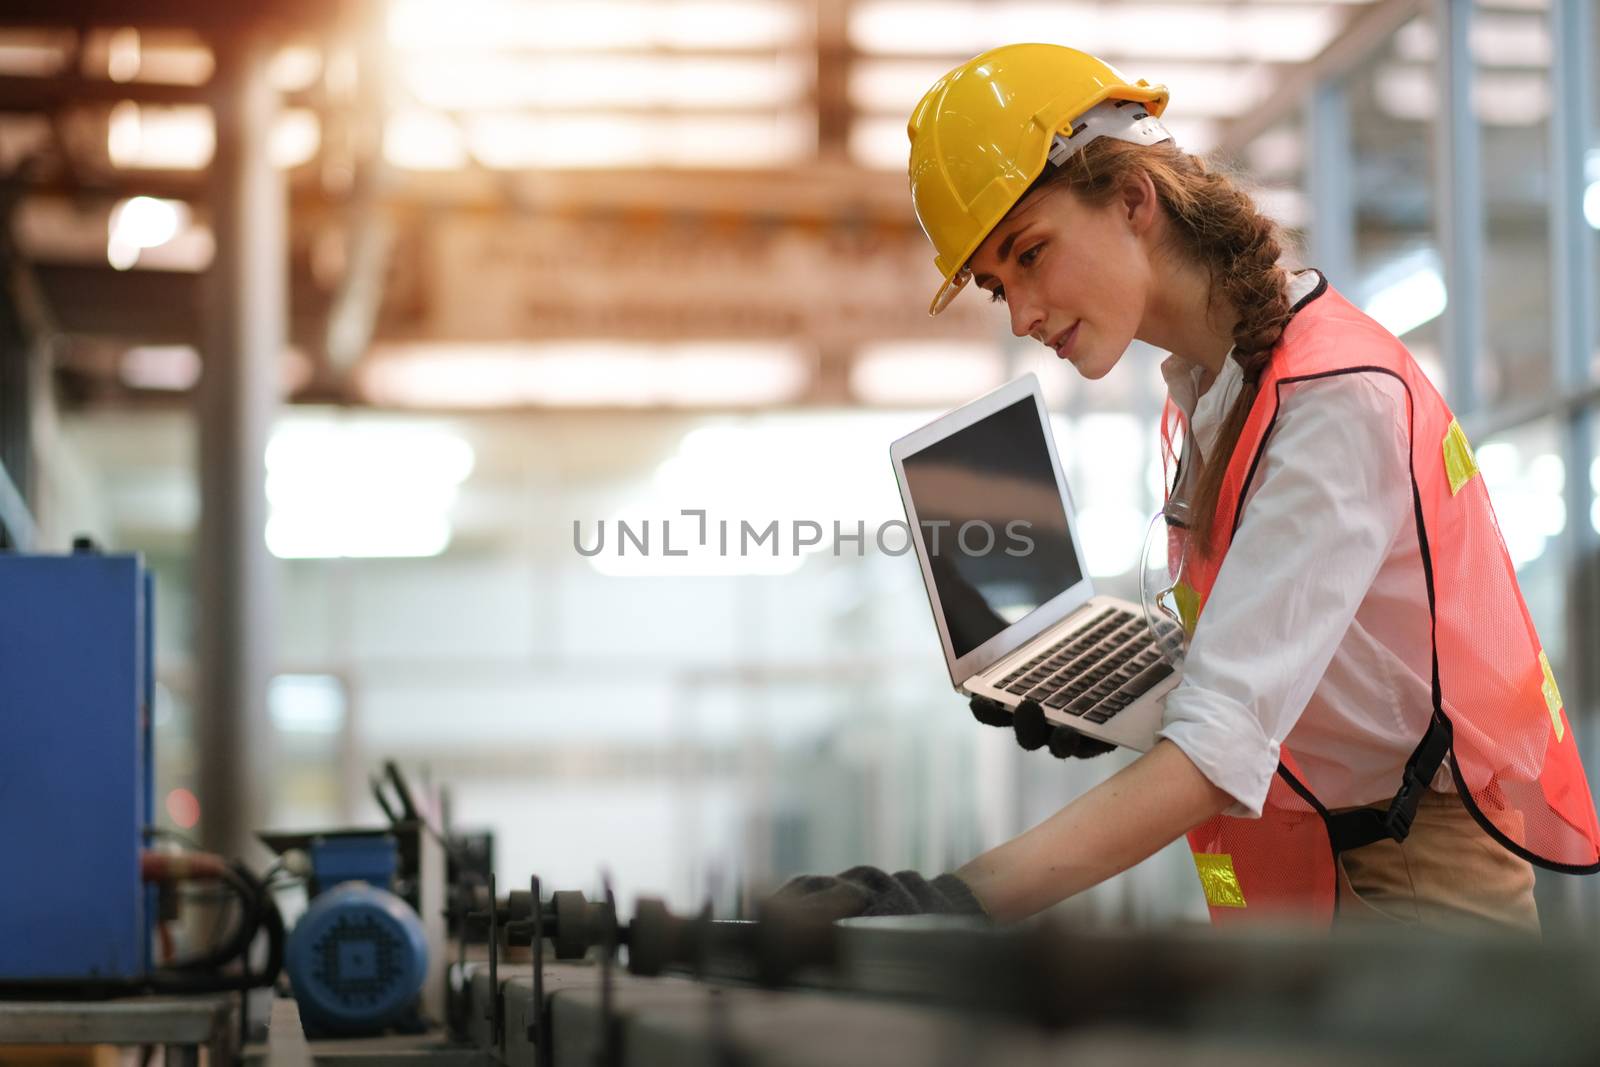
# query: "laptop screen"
[[991, 523]]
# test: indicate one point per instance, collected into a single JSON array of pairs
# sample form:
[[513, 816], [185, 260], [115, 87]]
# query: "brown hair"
[[1214, 225]]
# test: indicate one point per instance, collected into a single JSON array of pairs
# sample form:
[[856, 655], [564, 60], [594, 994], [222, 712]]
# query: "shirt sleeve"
[[1330, 497]]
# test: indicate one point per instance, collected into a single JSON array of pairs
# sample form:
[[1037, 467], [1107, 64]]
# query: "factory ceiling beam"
[[19, 93], [82, 185], [145, 307], [152, 306], [825, 192], [1366, 30], [205, 16], [23, 94], [812, 191]]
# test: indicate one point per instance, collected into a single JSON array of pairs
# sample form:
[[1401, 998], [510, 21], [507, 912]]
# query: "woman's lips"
[[1063, 346]]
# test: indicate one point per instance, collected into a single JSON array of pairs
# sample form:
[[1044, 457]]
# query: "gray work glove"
[[869, 891], [1033, 730]]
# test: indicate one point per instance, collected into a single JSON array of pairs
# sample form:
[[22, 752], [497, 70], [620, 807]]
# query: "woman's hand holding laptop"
[[1033, 730]]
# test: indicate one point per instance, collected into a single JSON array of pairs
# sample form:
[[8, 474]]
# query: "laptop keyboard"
[[1094, 672]]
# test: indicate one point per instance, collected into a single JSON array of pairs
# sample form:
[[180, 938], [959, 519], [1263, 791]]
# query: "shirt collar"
[[1205, 412]]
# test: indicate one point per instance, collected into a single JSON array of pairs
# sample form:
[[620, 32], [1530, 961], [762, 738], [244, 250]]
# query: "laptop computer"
[[996, 535]]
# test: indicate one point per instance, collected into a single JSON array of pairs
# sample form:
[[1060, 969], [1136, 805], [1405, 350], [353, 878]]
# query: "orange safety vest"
[[1497, 714]]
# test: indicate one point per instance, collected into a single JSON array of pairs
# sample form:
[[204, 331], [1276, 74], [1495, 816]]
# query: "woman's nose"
[[1026, 321]]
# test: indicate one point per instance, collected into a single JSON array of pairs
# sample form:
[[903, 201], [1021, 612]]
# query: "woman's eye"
[[1028, 258], [997, 295]]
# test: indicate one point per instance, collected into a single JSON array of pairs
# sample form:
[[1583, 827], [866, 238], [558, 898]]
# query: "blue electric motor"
[[358, 957]]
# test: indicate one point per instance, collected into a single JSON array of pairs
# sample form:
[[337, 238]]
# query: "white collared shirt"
[[1317, 629]]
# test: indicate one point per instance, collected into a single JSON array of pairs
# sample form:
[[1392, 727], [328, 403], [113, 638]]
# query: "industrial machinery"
[[76, 772], [564, 981], [88, 901], [88, 910]]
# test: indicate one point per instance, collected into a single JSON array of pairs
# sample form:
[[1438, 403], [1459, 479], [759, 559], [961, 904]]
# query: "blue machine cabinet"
[[76, 770]]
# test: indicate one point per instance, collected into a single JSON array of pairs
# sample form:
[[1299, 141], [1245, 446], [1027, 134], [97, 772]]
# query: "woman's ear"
[[1139, 202]]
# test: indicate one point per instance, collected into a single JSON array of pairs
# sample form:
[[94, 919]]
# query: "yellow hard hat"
[[982, 134]]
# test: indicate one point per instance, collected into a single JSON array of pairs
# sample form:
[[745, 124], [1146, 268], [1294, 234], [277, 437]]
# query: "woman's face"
[[1073, 277]]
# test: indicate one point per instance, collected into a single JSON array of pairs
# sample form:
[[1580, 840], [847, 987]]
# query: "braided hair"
[[1215, 225]]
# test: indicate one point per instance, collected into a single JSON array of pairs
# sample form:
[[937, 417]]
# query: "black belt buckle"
[[1418, 773], [1403, 808]]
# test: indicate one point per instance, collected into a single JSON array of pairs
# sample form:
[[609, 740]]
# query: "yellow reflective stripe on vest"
[[1459, 462], [1552, 697], [1218, 879]]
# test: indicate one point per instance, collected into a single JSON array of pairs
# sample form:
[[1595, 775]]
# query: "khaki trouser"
[[1447, 875]]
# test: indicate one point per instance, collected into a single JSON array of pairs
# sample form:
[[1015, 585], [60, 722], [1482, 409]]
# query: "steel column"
[[1329, 183], [1572, 285], [18, 356], [246, 316], [1458, 191], [16, 522]]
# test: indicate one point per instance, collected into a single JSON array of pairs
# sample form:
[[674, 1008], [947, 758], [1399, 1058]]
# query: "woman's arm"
[[1131, 815]]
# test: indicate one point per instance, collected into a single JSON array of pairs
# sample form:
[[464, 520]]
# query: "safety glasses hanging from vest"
[[1170, 604]]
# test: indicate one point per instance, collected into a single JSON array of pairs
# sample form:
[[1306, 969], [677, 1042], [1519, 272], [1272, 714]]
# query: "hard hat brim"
[[947, 292]]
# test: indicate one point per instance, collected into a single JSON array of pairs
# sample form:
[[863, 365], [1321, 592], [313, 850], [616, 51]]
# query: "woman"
[[1367, 725]]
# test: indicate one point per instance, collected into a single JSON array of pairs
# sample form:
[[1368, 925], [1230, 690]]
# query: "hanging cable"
[[258, 911], [261, 912]]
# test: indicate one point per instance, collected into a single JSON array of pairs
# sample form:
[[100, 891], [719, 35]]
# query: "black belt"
[[1363, 826]]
